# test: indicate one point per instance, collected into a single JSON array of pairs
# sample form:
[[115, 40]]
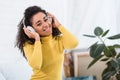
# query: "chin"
[[47, 35]]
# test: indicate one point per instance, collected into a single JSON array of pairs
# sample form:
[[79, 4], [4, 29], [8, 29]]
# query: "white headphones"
[[28, 27]]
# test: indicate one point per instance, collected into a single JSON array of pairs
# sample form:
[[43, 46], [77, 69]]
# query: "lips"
[[46, 29]]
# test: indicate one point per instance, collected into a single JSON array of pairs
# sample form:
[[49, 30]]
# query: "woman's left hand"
[[56, 22]]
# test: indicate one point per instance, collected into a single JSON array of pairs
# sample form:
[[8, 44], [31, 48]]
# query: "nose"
[[45, 25]]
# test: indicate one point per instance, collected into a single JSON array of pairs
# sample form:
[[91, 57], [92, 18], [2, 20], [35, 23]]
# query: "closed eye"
[[45, 18], [39, 24]]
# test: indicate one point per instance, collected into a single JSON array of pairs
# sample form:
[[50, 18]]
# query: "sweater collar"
[[46, 39]]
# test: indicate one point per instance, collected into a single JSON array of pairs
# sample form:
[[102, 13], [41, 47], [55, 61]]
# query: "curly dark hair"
[[21, 36]]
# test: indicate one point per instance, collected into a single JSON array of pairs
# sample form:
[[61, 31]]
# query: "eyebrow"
[[40, 20]]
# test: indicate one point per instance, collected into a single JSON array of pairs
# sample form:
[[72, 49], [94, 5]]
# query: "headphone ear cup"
[[30, 28]]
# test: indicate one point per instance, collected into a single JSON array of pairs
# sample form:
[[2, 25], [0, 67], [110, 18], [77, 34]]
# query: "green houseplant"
[[99, 51]]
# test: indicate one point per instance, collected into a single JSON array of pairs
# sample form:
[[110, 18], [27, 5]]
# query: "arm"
[[68, 39], [34, 54]]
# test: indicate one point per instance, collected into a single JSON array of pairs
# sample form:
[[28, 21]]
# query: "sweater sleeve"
[[69, 40], [34, 54]]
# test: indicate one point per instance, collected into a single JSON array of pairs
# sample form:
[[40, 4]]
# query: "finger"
[[49, 14], [30, 33], [27, 32], [52, 16]]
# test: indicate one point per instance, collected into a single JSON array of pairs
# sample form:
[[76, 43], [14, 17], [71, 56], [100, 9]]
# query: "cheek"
[[39, 30]]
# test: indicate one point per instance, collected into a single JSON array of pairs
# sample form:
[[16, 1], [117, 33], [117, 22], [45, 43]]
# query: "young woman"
[[44, 47]]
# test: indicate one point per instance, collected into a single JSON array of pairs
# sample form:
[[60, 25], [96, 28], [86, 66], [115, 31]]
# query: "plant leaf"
[[96, 50], [117, 36], [108, 74], [112, 49], [103, 73], [98, 31], [109, 51], [114, 64], [92, 36], [118, 76], [105, 59], [118, 59], [105, 33], [95, 60], [118, 55], [108, 71], [116, 46]]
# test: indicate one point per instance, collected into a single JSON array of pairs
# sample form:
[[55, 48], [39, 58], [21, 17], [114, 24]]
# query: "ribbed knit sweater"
[[47, 55]]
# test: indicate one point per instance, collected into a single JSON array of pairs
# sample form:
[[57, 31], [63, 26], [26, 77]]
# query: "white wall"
[[88, 14]]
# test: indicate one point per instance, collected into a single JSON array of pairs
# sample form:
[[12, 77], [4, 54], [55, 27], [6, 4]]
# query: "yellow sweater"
[[46, 57]]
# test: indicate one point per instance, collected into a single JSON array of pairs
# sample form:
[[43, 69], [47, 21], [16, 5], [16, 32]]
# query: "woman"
[[44, 47]]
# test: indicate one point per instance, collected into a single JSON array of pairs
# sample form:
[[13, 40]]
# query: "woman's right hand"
[[56, 22], [30, 34]]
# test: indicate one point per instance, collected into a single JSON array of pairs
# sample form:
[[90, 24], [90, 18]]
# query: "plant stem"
[[101, 40], [104, 44]]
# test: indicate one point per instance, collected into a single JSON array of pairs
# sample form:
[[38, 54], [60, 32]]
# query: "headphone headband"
[[23, 21]]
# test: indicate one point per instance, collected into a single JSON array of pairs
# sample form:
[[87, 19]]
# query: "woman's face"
[[42, 24]]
